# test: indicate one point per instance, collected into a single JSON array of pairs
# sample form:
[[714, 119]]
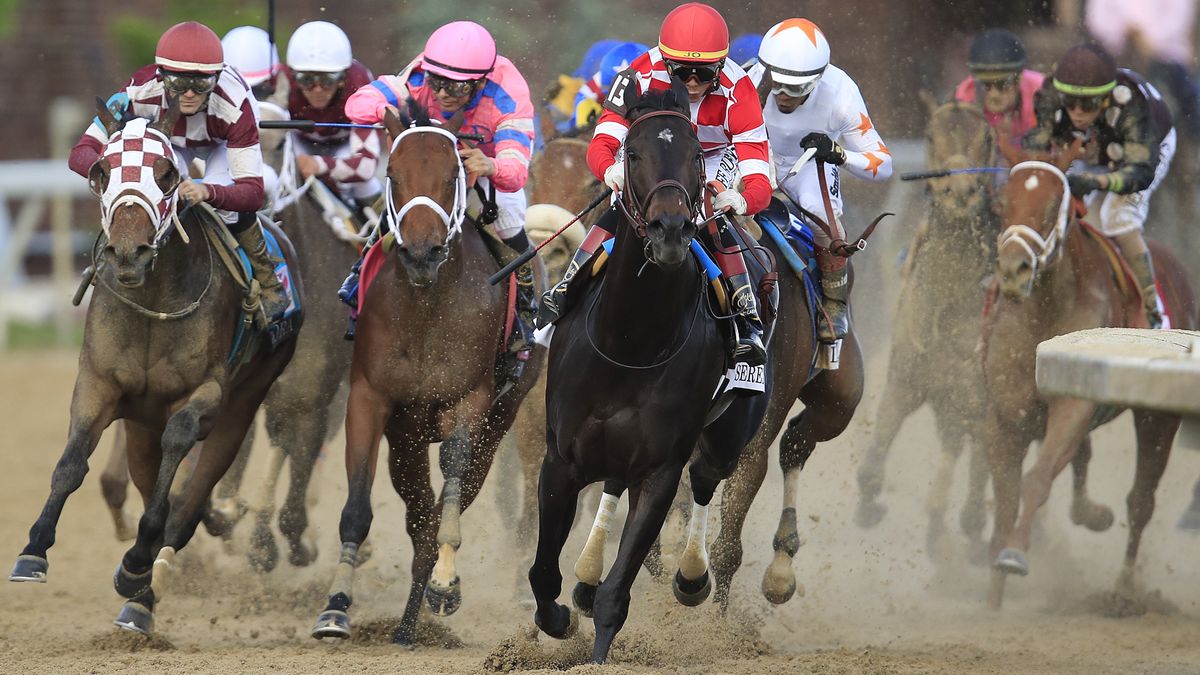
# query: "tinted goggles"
[[1001, 84], [313, 79], [180, 83], [703, 72], [453, 88], [1084, 103]]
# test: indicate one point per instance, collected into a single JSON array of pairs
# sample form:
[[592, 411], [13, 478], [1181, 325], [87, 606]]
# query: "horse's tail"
[[543, 220]]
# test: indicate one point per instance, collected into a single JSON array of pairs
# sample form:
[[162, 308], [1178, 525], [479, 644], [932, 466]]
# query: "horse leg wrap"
[[787, 538], [694, 561], [450, 532], [343, 578], [590, 565]]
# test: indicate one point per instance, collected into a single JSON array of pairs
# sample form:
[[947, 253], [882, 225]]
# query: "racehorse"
[[161, 352], [424, 370], [631, 373], [1055, 278]]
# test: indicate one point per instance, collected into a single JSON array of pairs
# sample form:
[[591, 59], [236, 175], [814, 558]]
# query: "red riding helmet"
[[694, 33], [190, 47]]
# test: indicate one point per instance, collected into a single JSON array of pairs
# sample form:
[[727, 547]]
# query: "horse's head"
[[426, 193], [664, 173], [959, 137], [135, 178], [1037, 211]]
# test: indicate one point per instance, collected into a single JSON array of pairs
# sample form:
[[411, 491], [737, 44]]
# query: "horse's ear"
[[392, 122], [928, 101], [167, 118], [679, 99], [166, 175], [99, 175], [109, 121], [417, 113]]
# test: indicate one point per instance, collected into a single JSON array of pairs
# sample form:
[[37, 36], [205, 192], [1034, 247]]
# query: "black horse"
[[631, 375]]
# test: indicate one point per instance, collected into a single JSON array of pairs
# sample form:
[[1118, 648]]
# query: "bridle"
[[635, 209], [1040, 250], [454, 218]]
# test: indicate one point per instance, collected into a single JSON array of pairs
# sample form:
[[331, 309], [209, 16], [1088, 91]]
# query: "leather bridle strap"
[[635, 209]]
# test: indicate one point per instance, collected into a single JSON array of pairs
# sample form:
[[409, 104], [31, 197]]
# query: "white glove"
[[614, 177], [731, 200]]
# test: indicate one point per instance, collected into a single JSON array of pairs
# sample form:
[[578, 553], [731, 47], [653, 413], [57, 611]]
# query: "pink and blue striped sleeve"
[[366, 105]]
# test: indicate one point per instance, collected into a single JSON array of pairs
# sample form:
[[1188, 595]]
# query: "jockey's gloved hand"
[[1083, 183], [614, 177], [732, 200], [828, 151]]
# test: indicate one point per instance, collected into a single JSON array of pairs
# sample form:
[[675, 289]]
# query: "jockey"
[[249, 49], [1003, 87], [322, 75], [590, 99], [693, 45], [744, 49], [461, 71], [1128, 139], [217, 124], [563, 95], [813, 104]]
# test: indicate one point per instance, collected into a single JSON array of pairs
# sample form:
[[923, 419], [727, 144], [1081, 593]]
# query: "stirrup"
[[749, 348], [550, 307]]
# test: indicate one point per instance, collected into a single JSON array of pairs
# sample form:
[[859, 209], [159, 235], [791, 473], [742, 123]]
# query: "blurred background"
[[59, 54]]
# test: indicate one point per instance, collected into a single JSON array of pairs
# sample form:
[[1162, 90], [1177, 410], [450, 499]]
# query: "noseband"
[[454, 218], [635, 209], [1039, 249]]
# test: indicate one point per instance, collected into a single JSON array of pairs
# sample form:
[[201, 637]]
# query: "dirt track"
[[875, 602]]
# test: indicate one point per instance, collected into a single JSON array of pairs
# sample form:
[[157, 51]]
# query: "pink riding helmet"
[[462, 50]]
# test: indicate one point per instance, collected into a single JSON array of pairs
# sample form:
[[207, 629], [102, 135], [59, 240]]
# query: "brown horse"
[[1055, 278], [160, 330], [424, 371]]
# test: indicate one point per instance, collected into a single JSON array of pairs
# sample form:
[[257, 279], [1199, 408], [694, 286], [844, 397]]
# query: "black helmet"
[[1086, 70], [996, 54]]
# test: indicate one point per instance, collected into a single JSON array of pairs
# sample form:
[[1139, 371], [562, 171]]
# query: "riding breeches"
[[511, 208], [1120, 214], [805, 189]]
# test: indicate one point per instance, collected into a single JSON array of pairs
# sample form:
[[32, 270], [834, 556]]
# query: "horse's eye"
[[633, 157]]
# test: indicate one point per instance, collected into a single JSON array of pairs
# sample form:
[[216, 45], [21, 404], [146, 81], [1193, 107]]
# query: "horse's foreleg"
[[1190, 520], [443, 592], [558, 494], [795, 447], [264, 554], [1084, 511], [304, 440], [1066, 426], [1006, 451], [736, 499], [114, 485], [366, 412], [692, 582], [589, 567], [1155, 434], [974, 514], [642, 526], [952, 435], [529, 437], [92, 408], [899, 400], [408, 463]]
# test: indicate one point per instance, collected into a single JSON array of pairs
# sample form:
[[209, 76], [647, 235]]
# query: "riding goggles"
[[703, 72], [1001, 84], [795, 90], [181, 83], [453, 88], [1084, 103], [310, 79]]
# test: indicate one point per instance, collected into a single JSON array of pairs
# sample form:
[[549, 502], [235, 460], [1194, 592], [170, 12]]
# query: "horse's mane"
[[675, 99]]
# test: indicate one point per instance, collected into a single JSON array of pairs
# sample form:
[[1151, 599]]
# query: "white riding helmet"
[[249, 49], [319, 46], [796, 53]]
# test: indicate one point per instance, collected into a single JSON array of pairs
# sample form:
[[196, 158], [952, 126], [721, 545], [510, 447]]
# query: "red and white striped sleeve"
[[748, 132]]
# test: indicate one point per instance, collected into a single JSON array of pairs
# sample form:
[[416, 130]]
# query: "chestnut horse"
[[423, 371], [157, 347], [1054, 278]]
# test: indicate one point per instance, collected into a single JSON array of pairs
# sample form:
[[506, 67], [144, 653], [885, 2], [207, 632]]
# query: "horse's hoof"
[[779, 581], [405, 639], [135, 618], [584, 598], [1190, 521], [333, 623], [30, 568], [443, 600], [303, 553], [1011, 561], [691, 592], [869, 514], [130, 585], [1093, 516], [561, 625], [264, 553]]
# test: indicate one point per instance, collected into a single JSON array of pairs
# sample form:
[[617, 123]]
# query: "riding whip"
[[529, 253], [309, 125], [924, 175]]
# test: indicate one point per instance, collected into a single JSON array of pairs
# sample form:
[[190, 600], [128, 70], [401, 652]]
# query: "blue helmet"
[[744, 47], [591, 58], [617, 59]]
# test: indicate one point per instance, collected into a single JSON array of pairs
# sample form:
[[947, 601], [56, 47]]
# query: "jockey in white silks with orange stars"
[[809, 103]]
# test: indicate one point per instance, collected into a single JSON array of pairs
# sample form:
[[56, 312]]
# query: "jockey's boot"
[[834, 322], [348, 293], [1142, 266], [553, 303], [273, 296], [520, 341], [750, 349]]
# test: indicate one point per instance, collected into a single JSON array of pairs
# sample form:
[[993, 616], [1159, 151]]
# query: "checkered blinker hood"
[[131, 154]]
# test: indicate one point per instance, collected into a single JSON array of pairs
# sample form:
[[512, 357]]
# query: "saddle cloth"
[[1125, 279]]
